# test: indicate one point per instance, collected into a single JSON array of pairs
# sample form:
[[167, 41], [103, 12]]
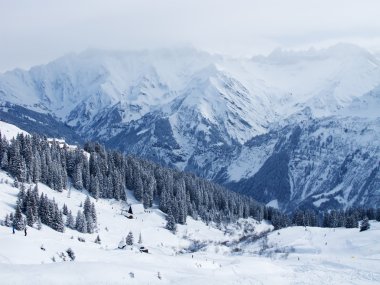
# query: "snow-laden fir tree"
[[70, 223], [377, 217], [129, 239], [122, 244], [170, 222], [364, 225], [87, 215], [89, 212], [39, 224], [351, 222], [18, 220], [30, 217], [21, 196], [7, 221], [81, 223], [93, 214], [58, 223], [65, 210]]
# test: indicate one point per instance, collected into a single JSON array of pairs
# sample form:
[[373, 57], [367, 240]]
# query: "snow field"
[[317, 256], [10, 131]]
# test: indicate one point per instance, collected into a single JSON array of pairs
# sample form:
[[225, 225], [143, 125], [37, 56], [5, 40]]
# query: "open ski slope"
[[315, 255]]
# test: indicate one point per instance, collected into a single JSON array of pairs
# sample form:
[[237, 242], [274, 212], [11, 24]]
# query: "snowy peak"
[[223, 101], [270, 88], [56, 87], [324, 80]]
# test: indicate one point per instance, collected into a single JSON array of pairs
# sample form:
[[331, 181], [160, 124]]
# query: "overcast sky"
[[34, 32]]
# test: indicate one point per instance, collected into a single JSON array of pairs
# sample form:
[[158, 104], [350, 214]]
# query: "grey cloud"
[[33, 32]]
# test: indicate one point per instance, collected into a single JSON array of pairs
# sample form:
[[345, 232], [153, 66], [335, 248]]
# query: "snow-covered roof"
[[62, 143]]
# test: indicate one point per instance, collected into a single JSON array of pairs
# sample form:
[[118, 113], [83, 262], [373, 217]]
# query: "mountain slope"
[[322, 163], [200, 113], [196, 253]]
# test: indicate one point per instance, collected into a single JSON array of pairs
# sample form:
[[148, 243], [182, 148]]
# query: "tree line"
[[348, 218], [108, 174]]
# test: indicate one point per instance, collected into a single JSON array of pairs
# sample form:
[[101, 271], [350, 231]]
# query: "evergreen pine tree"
[[351, 222], [70, 220], [18, 221], [21, 197], [129, 239], [39, 224], [77, 177], [364, 225], [65, 210], [52, 209], [377, 217], [29, 217], [88, 215], [7, 221], [15, 183], [60, 225], [94, 185], [34, 202], [87, 206], [4, 161], [140, 239], [170, 222], [85, 226], [43, 210], [93, 214], [80, 223]]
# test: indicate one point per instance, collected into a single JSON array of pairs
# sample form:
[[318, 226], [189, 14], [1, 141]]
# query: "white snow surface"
[[273, 204], [10, 131], [317, 256]]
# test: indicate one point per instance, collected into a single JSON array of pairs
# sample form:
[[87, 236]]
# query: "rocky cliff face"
[[323, 163]]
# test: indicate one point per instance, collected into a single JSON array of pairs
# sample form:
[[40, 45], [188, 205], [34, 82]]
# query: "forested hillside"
[[108, 174]]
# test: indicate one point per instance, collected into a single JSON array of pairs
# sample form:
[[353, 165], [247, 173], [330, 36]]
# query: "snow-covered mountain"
[[220, 117], [328, 163]]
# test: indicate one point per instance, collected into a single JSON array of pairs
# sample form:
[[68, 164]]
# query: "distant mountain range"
[[294, 129]]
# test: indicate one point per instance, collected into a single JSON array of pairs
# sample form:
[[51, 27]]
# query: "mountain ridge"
[[199, 112]]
